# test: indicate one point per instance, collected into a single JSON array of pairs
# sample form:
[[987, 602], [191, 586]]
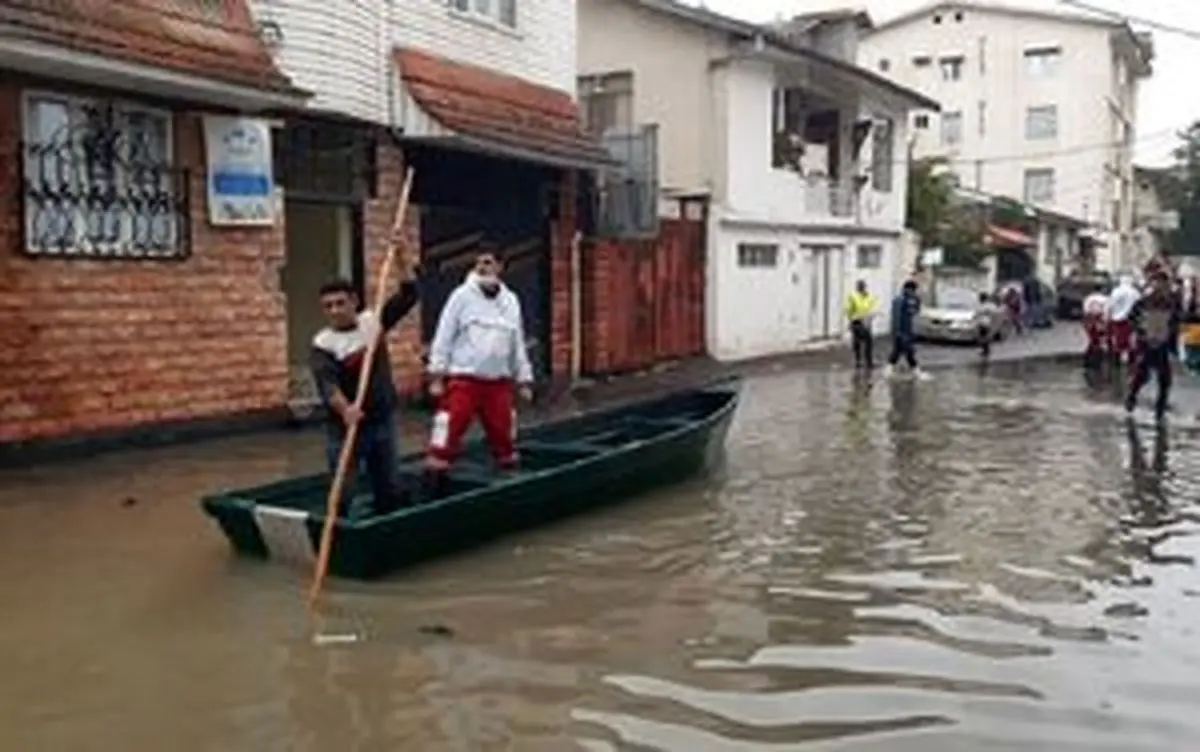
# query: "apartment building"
[[1038, 104]]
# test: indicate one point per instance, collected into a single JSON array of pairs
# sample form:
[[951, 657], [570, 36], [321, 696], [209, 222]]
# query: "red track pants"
[[466, 397]]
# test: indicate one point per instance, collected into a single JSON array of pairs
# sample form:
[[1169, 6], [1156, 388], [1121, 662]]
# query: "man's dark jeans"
[[375, 453]]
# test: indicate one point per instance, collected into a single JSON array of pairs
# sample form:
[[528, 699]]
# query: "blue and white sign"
[[241, 180]]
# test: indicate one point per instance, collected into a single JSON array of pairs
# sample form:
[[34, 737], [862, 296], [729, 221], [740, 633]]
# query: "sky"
[[1168, 100]]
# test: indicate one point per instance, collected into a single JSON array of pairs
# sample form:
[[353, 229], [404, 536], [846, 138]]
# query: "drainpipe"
[[576, 309]]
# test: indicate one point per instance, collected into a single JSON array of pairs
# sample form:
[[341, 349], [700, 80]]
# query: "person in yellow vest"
[[861, 308]]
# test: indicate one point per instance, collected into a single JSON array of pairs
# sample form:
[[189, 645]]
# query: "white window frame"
[[82, 247], [1049, 196], [953, 115], [1041, 122], [490, 12], [1042, 61]]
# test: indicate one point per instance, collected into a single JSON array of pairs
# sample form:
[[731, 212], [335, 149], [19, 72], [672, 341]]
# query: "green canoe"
[[566, 466]]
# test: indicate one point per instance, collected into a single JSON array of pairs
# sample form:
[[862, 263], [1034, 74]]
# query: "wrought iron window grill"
[[98, 182]]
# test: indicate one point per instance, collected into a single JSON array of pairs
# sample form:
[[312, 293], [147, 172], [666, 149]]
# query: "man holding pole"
[[477, 363], [339, 353]]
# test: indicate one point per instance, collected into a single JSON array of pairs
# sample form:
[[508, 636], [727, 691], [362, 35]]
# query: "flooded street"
[[976, 563]]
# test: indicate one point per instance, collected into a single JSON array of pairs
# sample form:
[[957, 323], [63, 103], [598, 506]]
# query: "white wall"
[[342, 50], [761, 311], [1082, 90], [671, 87], [334, 49], [541, 49]]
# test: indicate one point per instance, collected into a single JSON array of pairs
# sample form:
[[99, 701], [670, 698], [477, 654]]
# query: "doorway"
[[320, 247], [827, 277]]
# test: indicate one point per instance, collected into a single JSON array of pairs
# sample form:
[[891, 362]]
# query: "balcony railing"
[[822, 198]]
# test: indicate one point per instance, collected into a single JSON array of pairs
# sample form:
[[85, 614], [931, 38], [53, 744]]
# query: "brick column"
[[404, 343], [563, 232]]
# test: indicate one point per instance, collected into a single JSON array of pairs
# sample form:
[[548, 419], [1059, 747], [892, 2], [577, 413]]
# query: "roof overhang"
[[55, 62], [839, 73], [458, 106]]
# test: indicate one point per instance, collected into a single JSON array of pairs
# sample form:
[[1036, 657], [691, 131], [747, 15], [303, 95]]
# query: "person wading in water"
[[905, 308], [1155, 320], [860, 310]]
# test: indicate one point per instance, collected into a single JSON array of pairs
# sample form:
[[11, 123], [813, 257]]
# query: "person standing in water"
[[987, 323], [1118, 312], [860, 310], [1155, 320], [905, 308]]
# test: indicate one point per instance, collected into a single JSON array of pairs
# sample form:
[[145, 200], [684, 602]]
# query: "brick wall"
[[560, 277], [379, 215], [93, 345]]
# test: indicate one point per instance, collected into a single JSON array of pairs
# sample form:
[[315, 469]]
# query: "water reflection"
[[995, 561]]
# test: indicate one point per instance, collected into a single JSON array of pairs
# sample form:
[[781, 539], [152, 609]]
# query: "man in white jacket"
[[477, 363], [1120, 328]]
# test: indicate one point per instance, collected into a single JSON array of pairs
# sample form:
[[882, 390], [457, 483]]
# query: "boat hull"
[[568, 467]]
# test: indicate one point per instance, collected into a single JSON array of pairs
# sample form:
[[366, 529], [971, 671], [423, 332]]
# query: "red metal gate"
[[643, 300]]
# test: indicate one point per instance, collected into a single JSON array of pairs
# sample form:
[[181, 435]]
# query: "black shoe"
[[1130, 403]]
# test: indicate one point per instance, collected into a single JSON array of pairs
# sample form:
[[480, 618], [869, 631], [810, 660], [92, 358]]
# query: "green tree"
[[930, 200], [940, 219], [1179, 190]]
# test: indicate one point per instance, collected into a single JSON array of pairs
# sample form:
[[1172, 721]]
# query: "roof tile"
[[484, 104], [213, 39]]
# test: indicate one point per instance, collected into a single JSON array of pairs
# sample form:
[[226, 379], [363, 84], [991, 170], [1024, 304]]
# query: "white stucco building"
[[1038, 104], [799, 151]]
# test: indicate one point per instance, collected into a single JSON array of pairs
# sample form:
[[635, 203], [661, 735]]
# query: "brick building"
[[124, 309], [120, 306]]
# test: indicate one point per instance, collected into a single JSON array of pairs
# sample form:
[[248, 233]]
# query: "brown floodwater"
[[994, 563]]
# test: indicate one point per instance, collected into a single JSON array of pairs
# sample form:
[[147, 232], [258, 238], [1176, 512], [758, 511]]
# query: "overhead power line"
[[1136, 20]]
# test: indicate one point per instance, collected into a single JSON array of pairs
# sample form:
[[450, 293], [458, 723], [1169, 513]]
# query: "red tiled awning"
[[1006, 237], [214, 41], [480, 108]]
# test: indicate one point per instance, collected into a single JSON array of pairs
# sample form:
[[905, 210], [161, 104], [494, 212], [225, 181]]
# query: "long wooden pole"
[[364, 380]]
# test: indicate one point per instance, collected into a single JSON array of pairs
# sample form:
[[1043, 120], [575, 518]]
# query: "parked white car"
[[950, 317]]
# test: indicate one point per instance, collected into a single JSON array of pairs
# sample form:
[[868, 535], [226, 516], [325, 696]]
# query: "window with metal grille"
[[98, 180]]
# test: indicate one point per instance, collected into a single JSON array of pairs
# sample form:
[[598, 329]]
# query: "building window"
[[885, 64], [921, 122], [922, 61], [1042, 62], [883, 140], [503, 12], [937, 19], [952, 68], [982, 55], [1039, 186], [1041, 123], [869, 257], [758, 255], [952, 128], [99, 180], [606, 101]]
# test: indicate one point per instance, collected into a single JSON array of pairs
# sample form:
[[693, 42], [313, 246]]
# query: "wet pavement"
[[985, 562]]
